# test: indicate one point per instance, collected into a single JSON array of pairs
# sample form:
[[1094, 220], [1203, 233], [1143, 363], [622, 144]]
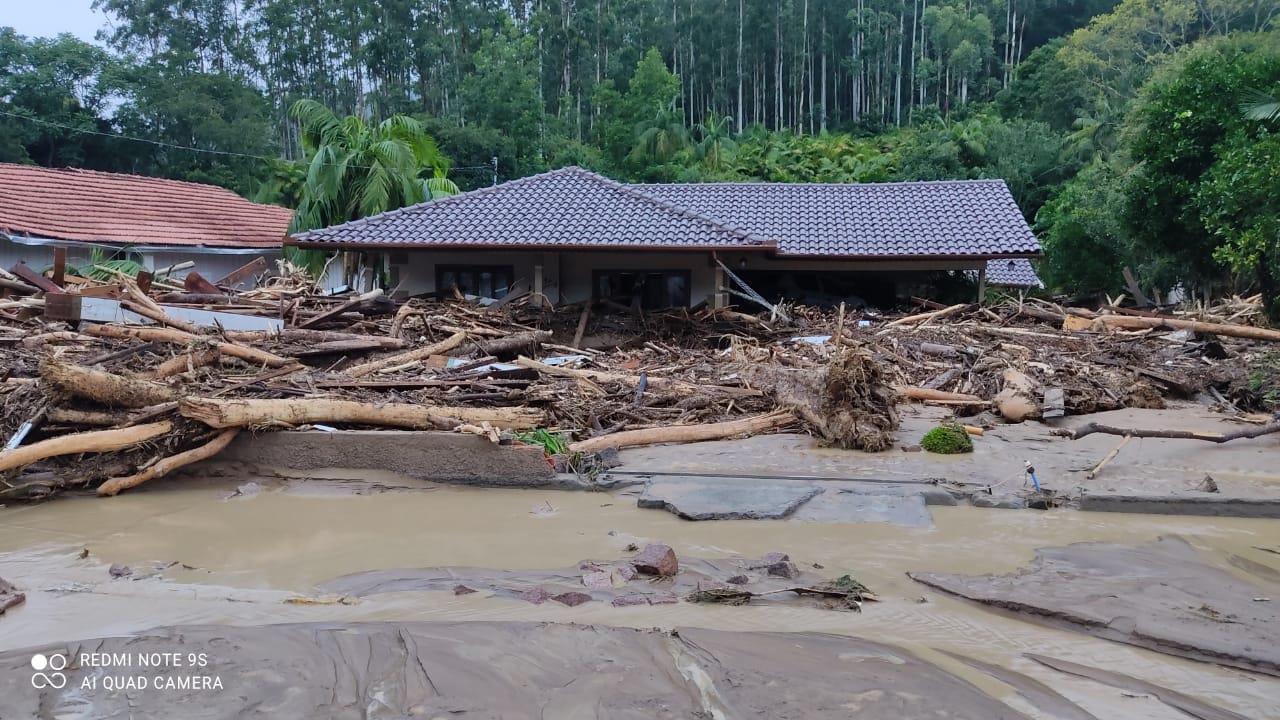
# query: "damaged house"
[[86, 215], [572, 235]]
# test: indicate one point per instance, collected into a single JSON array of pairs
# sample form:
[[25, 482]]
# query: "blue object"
[[1031, 473]]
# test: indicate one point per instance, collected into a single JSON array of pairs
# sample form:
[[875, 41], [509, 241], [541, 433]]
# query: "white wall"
[[211, 266]]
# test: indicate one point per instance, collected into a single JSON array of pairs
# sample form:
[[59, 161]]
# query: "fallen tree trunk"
[[178, 337], [421, 353], [921, 393], [684, 433], [1132, 322], [295, 335], [602, 376], [169, 464], [335, 312], [1253, 432], [185, 362], [514, 344], [925, 317], [109, 389], [94, 441], [302, 411]]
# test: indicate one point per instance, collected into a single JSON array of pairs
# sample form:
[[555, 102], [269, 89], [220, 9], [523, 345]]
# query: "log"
[[684, 433], [657, 383], [514, 343], [110, 389], [94, 441], [1108, 458], [1253, 432], [925, 317], [70, 416], [340, 347], [425, 351], [178, 337], [169, 464], [223, 414], [336, 311], [295, 335], [921, 393], [185, 362], [1129, 322], [160, 317], [582, 325]]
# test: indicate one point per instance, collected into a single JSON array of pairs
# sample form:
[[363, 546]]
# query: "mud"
[[614, 582], [246, 547], [513, 670], [1150, 475], [1160, 595]]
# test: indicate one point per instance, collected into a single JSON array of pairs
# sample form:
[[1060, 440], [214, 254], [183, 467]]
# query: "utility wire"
[[160, 143]]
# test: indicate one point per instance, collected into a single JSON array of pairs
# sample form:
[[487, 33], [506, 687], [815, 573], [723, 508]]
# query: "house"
[[155, 222], [573, 235]]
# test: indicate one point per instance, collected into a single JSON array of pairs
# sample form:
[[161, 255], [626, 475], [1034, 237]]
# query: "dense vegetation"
[[1133, 134]]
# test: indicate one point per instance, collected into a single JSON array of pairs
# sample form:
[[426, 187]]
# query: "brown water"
[[249, 554]]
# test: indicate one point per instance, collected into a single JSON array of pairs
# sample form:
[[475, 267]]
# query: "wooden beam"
[[24, 271], [249, 269]]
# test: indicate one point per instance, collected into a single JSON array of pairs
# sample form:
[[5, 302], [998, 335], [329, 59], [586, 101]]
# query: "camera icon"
[[55, 663]]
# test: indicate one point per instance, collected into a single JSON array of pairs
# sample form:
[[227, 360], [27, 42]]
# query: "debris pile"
[[111, 384]]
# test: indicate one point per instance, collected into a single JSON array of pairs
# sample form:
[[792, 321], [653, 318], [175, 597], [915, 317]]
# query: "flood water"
[[241, 557]]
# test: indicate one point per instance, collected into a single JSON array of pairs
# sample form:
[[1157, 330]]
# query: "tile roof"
[[566, 208], [572, 207], [1012, 272], [868, 220], [92, 206]]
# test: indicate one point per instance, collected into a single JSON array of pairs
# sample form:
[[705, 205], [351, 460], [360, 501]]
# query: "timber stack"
[[110, 384]]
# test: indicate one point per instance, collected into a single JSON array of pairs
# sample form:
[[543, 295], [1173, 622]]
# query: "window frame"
[[477, 269], [686, 273]]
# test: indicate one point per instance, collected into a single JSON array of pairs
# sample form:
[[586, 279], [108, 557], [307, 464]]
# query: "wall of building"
[[567, 276], [211, 266]]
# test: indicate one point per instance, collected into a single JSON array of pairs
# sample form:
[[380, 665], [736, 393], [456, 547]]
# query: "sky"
[[44, 18]]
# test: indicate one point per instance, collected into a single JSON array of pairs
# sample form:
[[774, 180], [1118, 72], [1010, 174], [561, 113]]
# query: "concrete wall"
[[210, 265], [567, 275]]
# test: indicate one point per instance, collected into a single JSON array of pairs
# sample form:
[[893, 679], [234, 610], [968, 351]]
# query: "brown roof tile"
[[92, 206]]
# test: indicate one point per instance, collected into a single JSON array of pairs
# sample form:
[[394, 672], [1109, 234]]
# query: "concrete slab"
[[844, 505], [424, 455], [713, 498]]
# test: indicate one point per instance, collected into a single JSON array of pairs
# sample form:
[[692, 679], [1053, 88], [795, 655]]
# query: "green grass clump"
[[552, 443], [947, 440]]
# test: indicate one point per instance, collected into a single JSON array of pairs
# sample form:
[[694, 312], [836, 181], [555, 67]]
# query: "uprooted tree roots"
[[847, 403]]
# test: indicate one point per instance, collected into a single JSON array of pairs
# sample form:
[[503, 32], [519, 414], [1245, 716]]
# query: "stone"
[[658, 560], [119, 571], [664, 598], [462, 590], [625, 571], [784, 569], [632, 599], [1002, 502], [536, 595], [597, 579], [738, 580], [9, 596], [572, 599]]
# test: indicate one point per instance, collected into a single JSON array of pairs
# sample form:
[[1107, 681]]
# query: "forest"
[[1133, 133]]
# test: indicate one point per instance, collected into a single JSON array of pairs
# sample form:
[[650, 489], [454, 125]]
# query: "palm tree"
[[357, 169], [715, 139], [660, 138], [1260, 105]]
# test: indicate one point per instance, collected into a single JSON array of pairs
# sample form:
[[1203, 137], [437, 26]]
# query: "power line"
[[173, 146]]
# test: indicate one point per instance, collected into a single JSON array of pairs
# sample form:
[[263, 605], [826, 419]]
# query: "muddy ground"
[[240, 553]]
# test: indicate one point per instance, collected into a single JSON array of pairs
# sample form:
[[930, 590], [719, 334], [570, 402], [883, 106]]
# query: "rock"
[[9, 596], [1208, 485], [657, 560], [738, 580], [119, 571], [664, 598], [462, 590], [536, 595], [1016, 401], [774, 558], [632, 599], [1003, 502], [597, 579], [572, 599], [785, 569], [625, 571]]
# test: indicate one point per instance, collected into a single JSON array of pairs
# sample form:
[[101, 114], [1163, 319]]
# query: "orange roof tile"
[[92, 206]]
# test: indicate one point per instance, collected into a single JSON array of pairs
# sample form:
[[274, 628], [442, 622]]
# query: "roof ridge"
[[669, 206], [775, 183]]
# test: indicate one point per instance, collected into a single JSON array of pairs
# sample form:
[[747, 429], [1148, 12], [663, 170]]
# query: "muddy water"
[[247, 555]]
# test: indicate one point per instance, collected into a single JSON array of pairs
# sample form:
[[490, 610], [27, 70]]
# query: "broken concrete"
[[1161, 595], [432, 456], [507, 669]]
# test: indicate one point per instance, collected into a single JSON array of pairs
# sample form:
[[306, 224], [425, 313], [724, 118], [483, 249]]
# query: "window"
[[491, 281], [650, 289]]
